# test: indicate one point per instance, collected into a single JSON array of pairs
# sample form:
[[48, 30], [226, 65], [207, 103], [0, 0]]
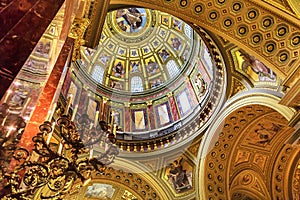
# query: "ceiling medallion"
[[131, 22]]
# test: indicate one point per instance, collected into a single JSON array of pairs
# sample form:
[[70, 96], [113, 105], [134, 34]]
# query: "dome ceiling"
[[139, 50], [155, 73]]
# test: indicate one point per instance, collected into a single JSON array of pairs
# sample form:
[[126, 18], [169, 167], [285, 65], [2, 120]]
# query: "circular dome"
[[155, 73], [140, 50]]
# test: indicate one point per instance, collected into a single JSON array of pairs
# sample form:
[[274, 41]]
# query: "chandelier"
[[59, 169]]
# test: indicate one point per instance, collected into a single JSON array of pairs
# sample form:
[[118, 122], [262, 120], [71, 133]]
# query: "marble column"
[[22, 25], [127, 116], [173, 105], [49, 94], [151, 114]]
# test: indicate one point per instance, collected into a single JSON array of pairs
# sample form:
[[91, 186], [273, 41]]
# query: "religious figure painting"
[[185, 54], [256, 69], [104, 58], [100, 191], [164, 54], [176, 43], [179, 174], [155, 82], [177, 24], [263, 133], [152, 67], [118, 69], [135, 66], [116, 85], [131, 20]]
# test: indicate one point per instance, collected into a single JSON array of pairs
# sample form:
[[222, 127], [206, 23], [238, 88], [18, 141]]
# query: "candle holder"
[[58, 170]]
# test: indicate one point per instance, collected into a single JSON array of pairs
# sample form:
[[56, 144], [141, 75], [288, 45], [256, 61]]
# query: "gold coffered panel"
[[269, 34]]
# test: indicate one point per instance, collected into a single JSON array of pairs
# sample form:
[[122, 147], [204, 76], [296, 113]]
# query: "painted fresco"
[[179, 175], [152, 66], [118, 85], [135, 66], [175, 42], [154, 37], [156, 82], [131, 20], [100, 191], [118, 69], [253, 68], [262, 133]]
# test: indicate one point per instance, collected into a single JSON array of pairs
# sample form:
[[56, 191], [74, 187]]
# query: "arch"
[[213, 136], [136, 84], [188, 31], [172, 68], [237, 21], [98, 73], [249, 184]]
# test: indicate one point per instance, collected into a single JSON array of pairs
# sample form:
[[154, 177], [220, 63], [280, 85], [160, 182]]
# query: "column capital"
[[149, 103], [170, 94], [127, 104]]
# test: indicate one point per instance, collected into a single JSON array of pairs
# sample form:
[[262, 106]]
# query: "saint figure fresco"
[[178, 176], [130, 19], [264, 73]]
